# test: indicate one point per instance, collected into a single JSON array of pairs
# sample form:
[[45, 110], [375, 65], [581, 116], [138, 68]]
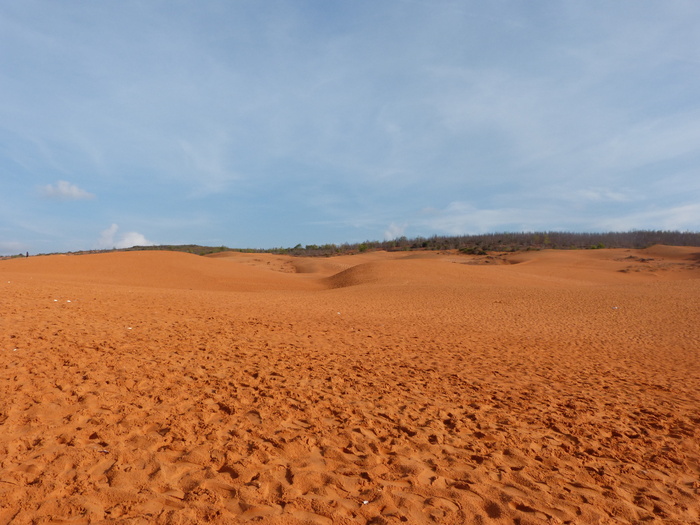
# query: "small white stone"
[[365, 502]]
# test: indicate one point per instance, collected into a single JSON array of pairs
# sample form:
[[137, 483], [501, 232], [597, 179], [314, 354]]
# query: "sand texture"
[[380, 388]]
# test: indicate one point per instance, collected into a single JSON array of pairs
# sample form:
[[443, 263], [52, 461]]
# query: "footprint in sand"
[[254, 417], [258, 512], [310, 517]]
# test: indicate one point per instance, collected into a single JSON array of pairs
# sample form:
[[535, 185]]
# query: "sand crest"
[[380, 388]]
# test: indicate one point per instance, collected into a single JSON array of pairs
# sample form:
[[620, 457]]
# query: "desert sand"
[[378, 388]]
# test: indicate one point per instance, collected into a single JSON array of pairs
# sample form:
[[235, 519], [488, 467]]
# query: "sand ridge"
[[538, 387]]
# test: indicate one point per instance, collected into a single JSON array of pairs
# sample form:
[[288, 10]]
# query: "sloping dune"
[[673, 252], [540, 387], [155, 269], [410, 272]]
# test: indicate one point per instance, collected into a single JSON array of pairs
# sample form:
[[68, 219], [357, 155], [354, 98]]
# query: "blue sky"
[[269, 123]]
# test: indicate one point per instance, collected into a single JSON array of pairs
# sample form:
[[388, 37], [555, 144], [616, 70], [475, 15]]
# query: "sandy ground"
[[540, 387]]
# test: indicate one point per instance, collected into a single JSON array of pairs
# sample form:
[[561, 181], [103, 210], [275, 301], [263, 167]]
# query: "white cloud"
[[106, 239], [109, 239], [65, 191], [394, 231]]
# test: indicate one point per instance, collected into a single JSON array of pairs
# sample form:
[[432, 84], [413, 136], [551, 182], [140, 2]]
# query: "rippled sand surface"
[[381, 388]]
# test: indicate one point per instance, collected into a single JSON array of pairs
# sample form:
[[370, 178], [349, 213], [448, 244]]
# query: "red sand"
[[540, 387]]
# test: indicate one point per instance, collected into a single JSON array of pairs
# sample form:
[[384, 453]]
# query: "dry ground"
[[541, 387]]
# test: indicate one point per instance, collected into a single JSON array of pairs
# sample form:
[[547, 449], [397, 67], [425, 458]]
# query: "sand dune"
[[154, 269], [538, 387]]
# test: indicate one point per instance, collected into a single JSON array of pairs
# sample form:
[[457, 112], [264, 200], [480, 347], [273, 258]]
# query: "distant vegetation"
[[473, 244], [506, 242], [470, 244], [188, 248]]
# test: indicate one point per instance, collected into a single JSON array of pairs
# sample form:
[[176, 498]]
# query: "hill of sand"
[[379, 388]]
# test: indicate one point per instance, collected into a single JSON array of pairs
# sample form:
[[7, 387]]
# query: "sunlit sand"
[[534, 387]]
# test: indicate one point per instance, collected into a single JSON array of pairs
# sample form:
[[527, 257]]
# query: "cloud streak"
[[64, 191], [313, 122]]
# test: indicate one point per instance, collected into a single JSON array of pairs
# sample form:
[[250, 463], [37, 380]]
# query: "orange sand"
[[540, 387]]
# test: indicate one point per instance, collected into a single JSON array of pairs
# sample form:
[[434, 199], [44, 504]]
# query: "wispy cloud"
[[64, 191], [684, 217], [464, 218], [316, 121], [596, 194]]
